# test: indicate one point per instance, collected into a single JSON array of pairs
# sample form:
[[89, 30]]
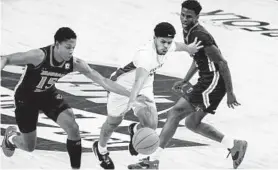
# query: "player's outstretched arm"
[[109, 85], [192, 48], [140, 77], [215, 55], [34, 57]]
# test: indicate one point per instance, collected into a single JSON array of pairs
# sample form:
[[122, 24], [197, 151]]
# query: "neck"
[[190, 27], [56, 55]]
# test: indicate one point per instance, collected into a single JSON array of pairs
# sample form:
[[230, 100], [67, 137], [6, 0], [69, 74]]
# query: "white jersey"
[[146, 57]]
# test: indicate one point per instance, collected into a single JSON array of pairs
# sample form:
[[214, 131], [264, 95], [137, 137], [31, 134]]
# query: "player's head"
[[190, 10], [65, 41], [164, 34]]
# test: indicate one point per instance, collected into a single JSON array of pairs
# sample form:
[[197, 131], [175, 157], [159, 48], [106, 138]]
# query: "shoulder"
[[202, 35], [35, 56]]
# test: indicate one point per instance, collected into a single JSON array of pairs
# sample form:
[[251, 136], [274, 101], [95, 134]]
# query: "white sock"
[[102, 150], [10, 139], [228, 142], [135, 127], [156, 154]]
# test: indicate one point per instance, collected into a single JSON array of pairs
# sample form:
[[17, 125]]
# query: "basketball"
[[145, 141]]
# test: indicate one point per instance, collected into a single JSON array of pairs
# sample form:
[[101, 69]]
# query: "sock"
[[10, 139], [156, 154], [227, 142], [74, 150], [135, 127], [102, 150]]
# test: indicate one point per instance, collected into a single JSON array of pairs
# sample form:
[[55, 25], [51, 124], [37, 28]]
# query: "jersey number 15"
[[47, 82]]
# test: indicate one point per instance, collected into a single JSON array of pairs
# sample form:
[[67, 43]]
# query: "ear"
[[56, 43]]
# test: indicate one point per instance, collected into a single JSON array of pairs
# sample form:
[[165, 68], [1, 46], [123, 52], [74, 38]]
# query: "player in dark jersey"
[[202, 98], [36, 91]]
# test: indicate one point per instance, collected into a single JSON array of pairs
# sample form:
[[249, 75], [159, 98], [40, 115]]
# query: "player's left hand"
[[132, 104], [231, 100], [195, 46]]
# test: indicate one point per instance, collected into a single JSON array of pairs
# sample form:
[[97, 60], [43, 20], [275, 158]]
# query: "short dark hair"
[[64, 34], [192, 5], [164, 29]]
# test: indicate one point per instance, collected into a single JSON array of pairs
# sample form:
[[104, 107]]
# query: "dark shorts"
[[28, 107], [207, 93]]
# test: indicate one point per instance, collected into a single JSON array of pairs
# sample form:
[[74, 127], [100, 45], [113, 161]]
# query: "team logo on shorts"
[[189, 90]]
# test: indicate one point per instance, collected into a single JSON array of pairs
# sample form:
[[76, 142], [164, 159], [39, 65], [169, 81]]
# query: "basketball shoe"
[[104, 160], [238, 152], [7, 147], [145, 163]]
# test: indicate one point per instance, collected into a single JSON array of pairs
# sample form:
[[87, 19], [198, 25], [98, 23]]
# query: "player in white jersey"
[[138, 76]]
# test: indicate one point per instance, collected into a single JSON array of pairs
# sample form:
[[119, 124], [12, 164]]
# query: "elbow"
[[223, 64]]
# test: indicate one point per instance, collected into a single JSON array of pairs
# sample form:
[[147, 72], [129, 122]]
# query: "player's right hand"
[[194, 47], [178, 86], [231, 100]]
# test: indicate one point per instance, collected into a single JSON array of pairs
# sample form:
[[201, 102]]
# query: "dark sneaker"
[[145, 164], [104, 160], [7, 147], [238, 152], [131, 149]]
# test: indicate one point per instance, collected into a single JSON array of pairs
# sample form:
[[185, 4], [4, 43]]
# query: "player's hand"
[[231, 100], [143, 99], [178, 86], [195, 46], [132, 104]]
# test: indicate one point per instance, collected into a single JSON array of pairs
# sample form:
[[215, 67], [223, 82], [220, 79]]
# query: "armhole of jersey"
[[45, 56], [72, 63]]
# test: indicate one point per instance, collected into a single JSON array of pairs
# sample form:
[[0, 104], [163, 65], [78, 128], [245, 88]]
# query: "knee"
[[113, 123], [150, 124], [175, 114], [148, 117], [191, 124]]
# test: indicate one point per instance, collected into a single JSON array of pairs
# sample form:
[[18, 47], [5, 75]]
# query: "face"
[[162, 44], [65, 49], [188, 18]]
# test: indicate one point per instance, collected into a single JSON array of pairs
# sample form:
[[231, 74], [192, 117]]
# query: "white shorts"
[[117, 104]]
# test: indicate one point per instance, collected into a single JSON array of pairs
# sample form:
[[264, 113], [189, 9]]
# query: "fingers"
[[198, 43], [195, 40], [233, 104], [199, 47]]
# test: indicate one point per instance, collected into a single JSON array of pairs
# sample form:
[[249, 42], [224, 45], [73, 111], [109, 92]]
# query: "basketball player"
[[138, 76], [204, 97], [36, 91]]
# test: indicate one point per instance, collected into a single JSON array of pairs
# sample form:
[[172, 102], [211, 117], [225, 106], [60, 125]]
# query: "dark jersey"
[[43, 77], [202, 61]]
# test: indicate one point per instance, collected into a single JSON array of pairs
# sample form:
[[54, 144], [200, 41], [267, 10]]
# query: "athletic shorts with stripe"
[[29, 104], [207, 93]]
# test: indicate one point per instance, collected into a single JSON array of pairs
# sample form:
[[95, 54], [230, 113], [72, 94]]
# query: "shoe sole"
[[5, 149], [244, 148]]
